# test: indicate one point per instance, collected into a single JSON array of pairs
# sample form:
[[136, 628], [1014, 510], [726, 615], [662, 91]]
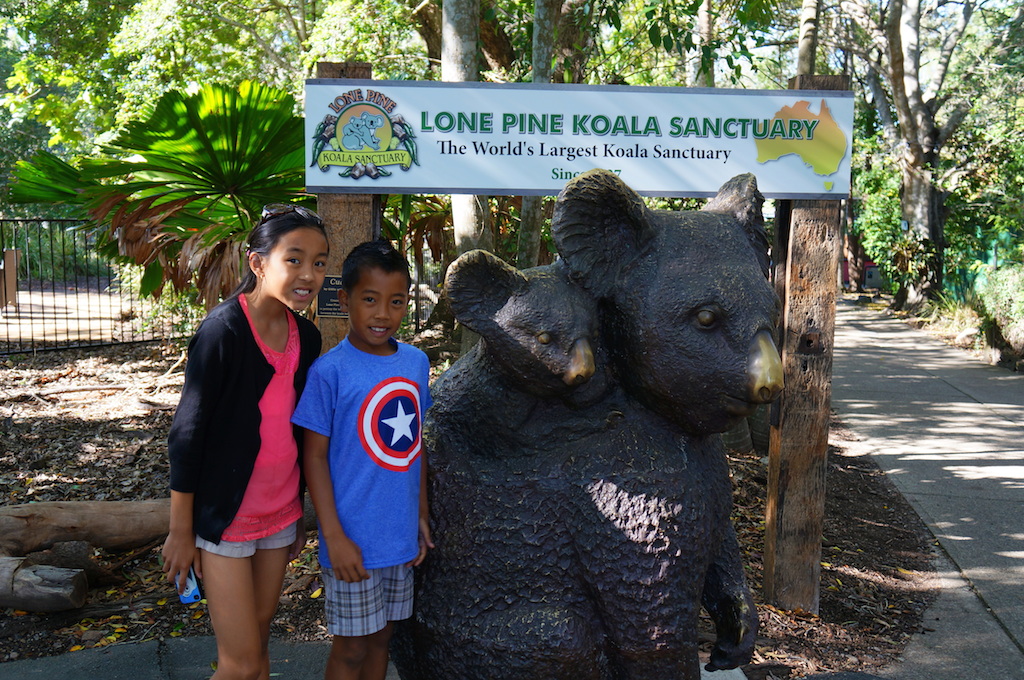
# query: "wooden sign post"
[[806, 255], [350, 219]]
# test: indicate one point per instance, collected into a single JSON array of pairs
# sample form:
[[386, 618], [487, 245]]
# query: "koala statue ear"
[[478, 284], [599, 226], [740, 198]]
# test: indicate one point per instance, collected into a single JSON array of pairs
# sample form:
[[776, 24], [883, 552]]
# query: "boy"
[[362, 409]]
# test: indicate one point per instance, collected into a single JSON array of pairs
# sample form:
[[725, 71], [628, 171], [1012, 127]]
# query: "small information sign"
[[328, 305]]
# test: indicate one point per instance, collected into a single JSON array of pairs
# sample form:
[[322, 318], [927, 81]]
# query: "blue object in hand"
[[193, 593]]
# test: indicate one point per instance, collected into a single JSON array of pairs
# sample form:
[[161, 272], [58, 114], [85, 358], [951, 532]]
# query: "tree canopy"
[[937, 84]]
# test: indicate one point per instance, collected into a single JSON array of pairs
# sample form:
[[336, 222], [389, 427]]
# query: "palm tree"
[[179, 189]]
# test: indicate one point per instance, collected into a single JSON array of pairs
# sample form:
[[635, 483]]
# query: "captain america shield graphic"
[[389, 424]]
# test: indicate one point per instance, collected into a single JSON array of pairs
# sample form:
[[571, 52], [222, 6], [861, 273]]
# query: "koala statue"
[[689, 320], [580, 528], [362, 131]]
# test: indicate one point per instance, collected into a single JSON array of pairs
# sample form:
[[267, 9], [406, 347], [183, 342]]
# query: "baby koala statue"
[[537, 341]]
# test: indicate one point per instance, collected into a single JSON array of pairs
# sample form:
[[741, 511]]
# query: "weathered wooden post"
[[350, 218], [806, 255]]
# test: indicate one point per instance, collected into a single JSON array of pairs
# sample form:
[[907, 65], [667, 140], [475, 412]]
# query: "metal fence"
[[57, 292]]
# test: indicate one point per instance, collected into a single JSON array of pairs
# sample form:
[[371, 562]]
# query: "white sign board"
[[375, 136]]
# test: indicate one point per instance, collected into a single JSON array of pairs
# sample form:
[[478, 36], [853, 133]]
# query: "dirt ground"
[[91, 425]]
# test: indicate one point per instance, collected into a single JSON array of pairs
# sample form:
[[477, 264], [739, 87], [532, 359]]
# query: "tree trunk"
[[112, 525], [471, 219], [856, 260], [924, 211], [574, 43], [900, 88], [472, 223], [460, 34], [428, 25], [808, 38], [495, 45], [530, 215], [40, 587], [494, 42], [705, 74], [853, 249]]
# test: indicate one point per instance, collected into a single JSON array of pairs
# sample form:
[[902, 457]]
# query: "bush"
[[1002, 293], [173, 314]]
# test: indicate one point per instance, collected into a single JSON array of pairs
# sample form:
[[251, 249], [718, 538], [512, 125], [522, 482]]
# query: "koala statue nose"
[[581, 363], [764, 369]]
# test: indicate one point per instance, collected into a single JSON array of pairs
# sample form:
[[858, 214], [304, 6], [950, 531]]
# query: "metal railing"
[[57, 292]]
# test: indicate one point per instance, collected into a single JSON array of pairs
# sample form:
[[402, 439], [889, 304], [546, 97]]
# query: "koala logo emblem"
[[362, 131], [366, 138]]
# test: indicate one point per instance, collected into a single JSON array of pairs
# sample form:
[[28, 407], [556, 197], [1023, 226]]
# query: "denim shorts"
[[281, 539], [364, 608]]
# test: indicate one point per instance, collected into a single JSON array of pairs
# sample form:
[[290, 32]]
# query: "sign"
[[373, 136], [328, 304]]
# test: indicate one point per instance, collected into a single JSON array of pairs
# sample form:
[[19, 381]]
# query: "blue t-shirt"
[[371, 407]]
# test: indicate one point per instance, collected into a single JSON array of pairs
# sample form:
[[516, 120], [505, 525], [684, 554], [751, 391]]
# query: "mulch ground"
[[91, 425]]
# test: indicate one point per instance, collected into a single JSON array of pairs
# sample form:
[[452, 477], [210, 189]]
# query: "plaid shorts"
[[363, 608]]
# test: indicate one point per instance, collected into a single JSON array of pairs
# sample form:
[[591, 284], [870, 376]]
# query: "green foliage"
[[65, 77], [87, 68], [19, 137], [49, 179], [176, 314], [947, 313], [987, 210], [1002, 293], [877, 217], [178, 190], [653, 42], [381, 32], [419, 223]]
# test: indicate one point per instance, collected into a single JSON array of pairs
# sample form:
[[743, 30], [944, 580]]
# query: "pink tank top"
[[271, 500]]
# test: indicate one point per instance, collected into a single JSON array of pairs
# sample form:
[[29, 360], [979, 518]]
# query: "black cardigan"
[[214, 437]]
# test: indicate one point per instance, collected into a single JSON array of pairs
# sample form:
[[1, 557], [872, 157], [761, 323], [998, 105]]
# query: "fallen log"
[[111, 525], [75, 555], [40, 587]]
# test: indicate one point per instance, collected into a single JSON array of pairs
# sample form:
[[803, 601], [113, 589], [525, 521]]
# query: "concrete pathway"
[[948, 430]]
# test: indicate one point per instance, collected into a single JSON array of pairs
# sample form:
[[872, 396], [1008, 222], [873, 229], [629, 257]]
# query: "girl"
[[236, 517]]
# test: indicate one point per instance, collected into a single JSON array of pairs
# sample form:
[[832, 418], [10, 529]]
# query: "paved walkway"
[[949, 432]]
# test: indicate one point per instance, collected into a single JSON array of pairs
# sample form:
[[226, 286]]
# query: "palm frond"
[[180, 188]]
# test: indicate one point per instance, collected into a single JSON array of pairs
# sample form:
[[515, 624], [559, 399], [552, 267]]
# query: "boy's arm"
[[345, 556]]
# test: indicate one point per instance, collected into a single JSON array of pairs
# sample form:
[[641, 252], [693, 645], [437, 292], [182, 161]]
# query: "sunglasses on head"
[[272, 210]]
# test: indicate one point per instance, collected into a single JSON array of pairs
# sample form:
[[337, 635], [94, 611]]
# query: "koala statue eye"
[[706, 318], [544, 338]]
